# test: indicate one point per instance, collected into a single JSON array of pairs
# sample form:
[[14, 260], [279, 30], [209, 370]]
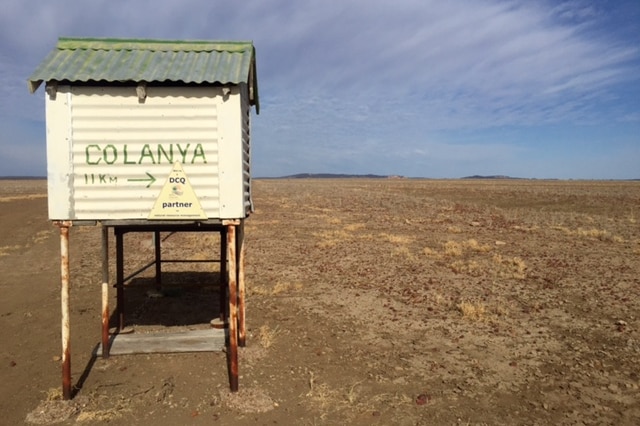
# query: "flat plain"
[[378, 301]]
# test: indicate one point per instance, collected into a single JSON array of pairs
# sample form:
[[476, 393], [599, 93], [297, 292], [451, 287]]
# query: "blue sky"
[[442, 89]]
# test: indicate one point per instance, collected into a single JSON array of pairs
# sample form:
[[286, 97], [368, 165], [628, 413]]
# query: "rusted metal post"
[[223, 274], [232, 274], [241, 291], [120, 278], [105, 292], [64, 304], [158, 253]]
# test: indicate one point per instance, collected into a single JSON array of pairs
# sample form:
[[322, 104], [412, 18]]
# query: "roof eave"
[[253, 83], [33, 85]]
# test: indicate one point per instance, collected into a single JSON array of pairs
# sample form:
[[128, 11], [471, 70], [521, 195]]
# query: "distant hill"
[[22, 177], [335, 176], [490, 177]]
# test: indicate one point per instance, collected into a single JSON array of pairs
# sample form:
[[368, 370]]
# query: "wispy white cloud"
[[357, 77]]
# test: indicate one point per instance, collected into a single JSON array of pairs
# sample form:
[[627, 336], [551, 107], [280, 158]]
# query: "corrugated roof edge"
[[93, 43], [153, 45]]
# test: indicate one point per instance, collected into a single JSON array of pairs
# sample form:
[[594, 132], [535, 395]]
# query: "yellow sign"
[[177, 199]]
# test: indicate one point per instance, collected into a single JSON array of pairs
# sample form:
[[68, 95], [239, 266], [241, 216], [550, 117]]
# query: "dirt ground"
[[390, 302]]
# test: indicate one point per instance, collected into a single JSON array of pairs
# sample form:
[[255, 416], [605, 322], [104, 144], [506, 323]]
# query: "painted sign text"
[[185, 153]]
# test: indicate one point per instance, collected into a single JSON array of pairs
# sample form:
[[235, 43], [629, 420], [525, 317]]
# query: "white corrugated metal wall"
[[246, 149], [119, 144]]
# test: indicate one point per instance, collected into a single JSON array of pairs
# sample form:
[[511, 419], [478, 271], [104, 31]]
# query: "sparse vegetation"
[[368, 302], [474, 311], [510, 267], [6, 250], [267, 336]]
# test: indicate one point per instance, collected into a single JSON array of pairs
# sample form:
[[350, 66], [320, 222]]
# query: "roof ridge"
[[76, 43]]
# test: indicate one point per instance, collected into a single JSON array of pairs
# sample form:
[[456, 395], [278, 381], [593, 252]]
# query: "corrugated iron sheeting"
[[121, 60], [143, 65]]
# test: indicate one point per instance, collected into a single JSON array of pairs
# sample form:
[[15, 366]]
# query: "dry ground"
[[369, 302]]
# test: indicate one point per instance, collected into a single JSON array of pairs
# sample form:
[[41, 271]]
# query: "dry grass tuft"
[[456, 249], [403, 252], [513, 267], [21, 197], [475, 246], [285, 287], [328, 399], [248, 400], [598, 234], [98, 416], [439, 300], [352, 394], [331, 238], [6, 250], [321, 393], [267, 336], [472, 268], [277, 289], [324, 396], [52, 412], [54, 394], [452, 249], [354, 227], [591, 233], [42, 236], [562, 228], [429, 252], [396, 239], [527, 229], [472, 311]]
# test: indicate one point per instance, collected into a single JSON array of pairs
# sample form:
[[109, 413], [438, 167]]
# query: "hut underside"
[[227, 332]]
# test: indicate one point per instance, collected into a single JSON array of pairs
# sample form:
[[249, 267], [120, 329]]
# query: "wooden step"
[[211, 340]]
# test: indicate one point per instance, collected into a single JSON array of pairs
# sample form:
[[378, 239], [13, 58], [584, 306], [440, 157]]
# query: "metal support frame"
[[223, 274], [232, 315], [105, 292], [235, 315], [240, 251], [64, 307], [232, 290], [119, 278], [158, 258]]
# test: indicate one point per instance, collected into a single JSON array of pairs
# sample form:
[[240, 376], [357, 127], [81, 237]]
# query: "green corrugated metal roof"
[[135, 60]]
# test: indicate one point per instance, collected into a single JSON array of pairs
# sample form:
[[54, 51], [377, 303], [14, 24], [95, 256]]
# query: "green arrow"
[[151, 179]]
